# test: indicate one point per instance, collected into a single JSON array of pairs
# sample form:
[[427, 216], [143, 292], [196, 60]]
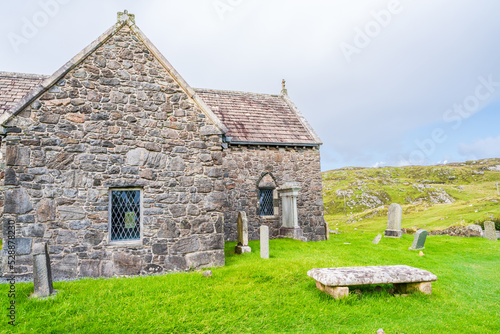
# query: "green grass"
[[436, 217], [251, 295]]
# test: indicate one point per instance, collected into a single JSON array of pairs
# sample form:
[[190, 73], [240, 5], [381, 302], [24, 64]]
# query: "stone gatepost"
[[289, 216], [42, 274]]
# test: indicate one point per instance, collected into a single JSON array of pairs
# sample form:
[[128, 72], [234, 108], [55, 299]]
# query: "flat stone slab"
[[346, 276]]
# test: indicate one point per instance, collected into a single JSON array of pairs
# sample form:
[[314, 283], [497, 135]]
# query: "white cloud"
[[481, 149], [379, 164]]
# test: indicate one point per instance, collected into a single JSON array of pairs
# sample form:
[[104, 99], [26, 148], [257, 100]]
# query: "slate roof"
[[14, 86], [258, 118]]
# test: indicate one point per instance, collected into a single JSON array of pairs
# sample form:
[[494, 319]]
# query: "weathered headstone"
[[242, 229], [377, 239], [419, 240], [489, 231], [42, 274], [264, 242], [394, 221]]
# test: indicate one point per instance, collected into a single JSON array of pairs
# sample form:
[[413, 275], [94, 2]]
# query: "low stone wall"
[[454, 231]]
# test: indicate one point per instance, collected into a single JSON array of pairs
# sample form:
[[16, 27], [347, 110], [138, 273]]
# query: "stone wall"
[[454, 231], [244, 167], [116, 120]]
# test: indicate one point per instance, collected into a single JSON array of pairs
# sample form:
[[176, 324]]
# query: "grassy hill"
[[433, 197]]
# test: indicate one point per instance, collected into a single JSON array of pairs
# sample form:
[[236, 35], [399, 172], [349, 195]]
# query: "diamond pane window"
[[266, 202], [125, 215]]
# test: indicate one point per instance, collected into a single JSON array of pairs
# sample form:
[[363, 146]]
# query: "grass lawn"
[[251, 295]]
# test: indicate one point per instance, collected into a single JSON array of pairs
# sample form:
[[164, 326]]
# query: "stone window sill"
[[269, 217], [126, 244]]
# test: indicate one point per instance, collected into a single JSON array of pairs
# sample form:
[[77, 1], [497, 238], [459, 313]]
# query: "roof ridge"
[[19, 75], [236, 92]]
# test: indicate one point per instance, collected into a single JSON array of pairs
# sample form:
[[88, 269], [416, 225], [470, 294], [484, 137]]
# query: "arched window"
[[267, 193]]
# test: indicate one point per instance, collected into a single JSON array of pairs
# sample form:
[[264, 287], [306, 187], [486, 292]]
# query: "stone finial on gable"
[[284, 91], [124, 16]]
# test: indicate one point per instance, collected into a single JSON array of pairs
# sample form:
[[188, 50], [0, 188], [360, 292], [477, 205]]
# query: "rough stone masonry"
[[118, 117], [117, 120]]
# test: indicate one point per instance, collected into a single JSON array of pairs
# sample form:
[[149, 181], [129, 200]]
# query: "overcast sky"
[[382, 82]]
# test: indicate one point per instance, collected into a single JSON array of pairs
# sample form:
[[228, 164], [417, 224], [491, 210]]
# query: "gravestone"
[[377, 239], [264, 242], [42, 274], [419, 240], [489, 231], [242, 229], [394, 221]]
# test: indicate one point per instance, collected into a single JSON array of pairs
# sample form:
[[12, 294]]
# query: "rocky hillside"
[[353, 194]]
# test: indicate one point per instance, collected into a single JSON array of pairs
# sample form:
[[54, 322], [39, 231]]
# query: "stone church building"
[[124, 169]]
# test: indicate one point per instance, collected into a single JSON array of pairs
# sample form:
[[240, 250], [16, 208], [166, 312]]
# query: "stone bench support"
[[406, 279], [424, 287], [336, 292]]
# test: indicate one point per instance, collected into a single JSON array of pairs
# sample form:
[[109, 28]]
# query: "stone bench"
[[336, 281]]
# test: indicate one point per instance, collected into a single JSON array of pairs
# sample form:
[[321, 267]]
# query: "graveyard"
[[265, 287], [251, 294], [432, 197]]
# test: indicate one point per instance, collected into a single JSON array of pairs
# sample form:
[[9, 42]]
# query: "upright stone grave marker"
[[377, 239], [394, 221], [419, 240], [489, 231], [264, 242], [42, 274], [242, 229]]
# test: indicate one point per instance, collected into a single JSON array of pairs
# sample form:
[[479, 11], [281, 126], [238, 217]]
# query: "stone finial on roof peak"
[[124, 16], [284, 91]]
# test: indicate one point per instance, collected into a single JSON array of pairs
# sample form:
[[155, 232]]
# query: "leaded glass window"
[[266, 202], [125, 215]]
